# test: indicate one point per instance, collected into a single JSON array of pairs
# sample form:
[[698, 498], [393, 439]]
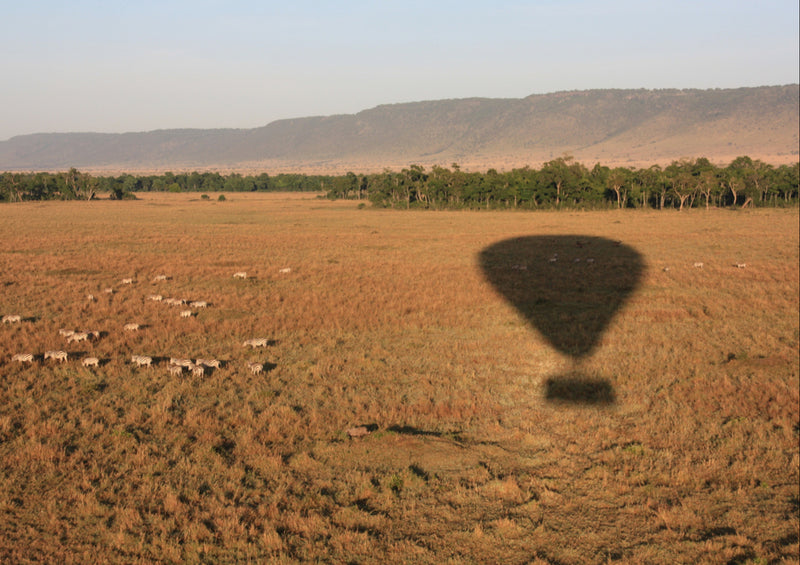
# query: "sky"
[[119, 66]]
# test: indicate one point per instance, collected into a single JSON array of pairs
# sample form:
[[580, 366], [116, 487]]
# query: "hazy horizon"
[[109, 67]]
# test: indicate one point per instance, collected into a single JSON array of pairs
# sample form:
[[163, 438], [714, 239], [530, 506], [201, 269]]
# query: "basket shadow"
[[576, 388]]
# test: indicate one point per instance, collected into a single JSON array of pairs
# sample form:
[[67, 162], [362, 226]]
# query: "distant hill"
[[625, 127]]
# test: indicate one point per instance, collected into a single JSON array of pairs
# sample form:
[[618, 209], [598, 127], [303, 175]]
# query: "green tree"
[[707, 183], [560, 177], [617, 181]]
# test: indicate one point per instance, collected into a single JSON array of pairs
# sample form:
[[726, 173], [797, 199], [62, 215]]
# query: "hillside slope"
[[633, 127]]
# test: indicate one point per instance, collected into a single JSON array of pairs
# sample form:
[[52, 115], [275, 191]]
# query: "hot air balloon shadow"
[[568, 288]]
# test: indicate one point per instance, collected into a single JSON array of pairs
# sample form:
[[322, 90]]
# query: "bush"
[[221, 198]]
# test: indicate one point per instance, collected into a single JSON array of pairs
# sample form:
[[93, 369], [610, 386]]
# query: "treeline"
[[565, 183], [560, 183], [74, 185]]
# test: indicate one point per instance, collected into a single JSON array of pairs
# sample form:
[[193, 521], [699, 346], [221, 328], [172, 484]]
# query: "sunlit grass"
[[386, 320]]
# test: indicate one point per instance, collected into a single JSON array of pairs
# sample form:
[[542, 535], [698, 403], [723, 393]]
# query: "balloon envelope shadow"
[[568, 288]]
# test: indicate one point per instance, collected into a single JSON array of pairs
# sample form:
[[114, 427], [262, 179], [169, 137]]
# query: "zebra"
[[240, 275], [208, 363], [199, 304], [12, 318], [155, 297], [198, 370], [256, 342], [175, 370], [131, 327], [141, 360], [255, 368], [181, 362], [186, 313], [357, 431], [160, 278], [90, 362], [60, 356], [65, 333], [23, 357], [77, 336]]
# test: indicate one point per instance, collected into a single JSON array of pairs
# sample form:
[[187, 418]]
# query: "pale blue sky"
[[112, 66]]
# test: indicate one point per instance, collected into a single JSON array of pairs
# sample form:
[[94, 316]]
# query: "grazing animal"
[[240, 275], [127, 281], [77, 336], [90, 362], [255, 368], [155, 297], [109, 291], [186, 313], [11, 318], [141, 360], [256, 342], [60, 356], [698, 265], [23, 357], [160, 278], [65, 333], [357, 432], [90, 297], [286, 270], [131, 327], [199, 304], [741, 265]]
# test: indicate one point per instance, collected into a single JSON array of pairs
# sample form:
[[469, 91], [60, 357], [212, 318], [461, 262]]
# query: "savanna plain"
[[386, 323]]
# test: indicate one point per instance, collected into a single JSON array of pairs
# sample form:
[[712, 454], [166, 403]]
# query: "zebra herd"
[[176, 366]]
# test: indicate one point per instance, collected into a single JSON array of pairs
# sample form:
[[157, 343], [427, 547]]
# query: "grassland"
[[388, 321]]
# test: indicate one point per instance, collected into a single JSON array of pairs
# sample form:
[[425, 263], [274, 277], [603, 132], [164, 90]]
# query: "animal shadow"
[[412, 431]]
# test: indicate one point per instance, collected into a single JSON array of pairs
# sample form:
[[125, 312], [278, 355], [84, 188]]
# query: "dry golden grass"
[[387, 321], [610, 156]]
